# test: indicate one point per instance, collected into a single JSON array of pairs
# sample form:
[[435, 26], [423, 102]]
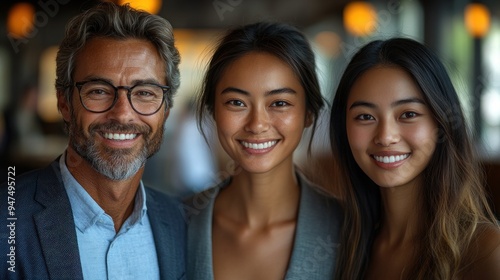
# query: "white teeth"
[[119, 136], [259, 146], [391, 159]]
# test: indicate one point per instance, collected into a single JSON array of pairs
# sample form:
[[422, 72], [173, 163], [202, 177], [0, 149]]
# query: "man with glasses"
[[88, 215]]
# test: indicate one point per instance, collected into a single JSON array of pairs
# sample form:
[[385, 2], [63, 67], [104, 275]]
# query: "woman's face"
[[391, 131], [260, 112]]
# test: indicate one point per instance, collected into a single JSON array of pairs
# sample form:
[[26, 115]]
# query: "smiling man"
[[88, 215]]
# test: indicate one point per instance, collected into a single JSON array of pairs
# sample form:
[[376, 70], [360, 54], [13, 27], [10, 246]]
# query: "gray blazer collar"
[[314, 250], [199, 262], [166, 244], [316, 236]]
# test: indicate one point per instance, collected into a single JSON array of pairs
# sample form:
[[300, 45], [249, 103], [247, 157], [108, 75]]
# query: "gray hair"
[[113, 21]]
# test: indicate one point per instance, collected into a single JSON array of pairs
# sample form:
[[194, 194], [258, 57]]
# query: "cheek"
[[423, 141], [225, 123], [357, 137], [156, 122], [423, 135], [288, 122], [292, 121], [81, 116], [82, 120]]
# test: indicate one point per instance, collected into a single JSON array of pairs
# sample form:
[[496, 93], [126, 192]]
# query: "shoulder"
[[166, 217], [160, 200], [24, 186], [200, 205], [202, 200], [157, 195], [484, 254], [317, 197], [24, 180], [318, 207]]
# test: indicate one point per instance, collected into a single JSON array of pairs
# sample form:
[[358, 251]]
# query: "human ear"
[[167, 113], [309, 119], [63, 106]]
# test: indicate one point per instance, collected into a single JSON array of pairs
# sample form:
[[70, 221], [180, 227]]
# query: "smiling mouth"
[[259, 146], [391, 159], [119, 136]]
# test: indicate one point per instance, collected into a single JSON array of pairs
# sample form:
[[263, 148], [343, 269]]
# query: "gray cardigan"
[[316, 237]]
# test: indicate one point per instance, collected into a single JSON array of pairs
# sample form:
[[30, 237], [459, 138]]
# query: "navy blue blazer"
[[46, 245], [317, 235]]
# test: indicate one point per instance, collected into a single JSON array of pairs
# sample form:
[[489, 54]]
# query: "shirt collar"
[[87, 212], [140, 207]]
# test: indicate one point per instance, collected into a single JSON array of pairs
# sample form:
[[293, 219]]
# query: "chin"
[[255, 169], [387, 185], [391, 183]]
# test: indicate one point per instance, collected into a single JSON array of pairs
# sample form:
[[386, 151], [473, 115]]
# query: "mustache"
[[120, 128]]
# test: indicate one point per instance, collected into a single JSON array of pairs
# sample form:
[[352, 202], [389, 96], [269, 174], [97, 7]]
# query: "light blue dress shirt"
[[105, 254]]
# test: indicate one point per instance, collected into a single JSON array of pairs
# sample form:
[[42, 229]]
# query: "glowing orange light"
[[20, 20], [477, 19], [360, 18], [150, 6]]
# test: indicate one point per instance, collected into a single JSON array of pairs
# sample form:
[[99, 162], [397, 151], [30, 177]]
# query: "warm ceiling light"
[[20, 20], [360, 18], [150, 6], [477, 19], [47, 100]]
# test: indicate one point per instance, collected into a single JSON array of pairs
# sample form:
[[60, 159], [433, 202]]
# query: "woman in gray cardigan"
[[265, 221]]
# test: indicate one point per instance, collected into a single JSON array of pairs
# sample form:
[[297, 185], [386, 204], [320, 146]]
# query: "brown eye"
[[409, 115], [236, 103], [365, 117], [280, 103]]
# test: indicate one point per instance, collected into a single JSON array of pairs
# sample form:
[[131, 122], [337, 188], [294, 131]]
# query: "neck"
[[261, 199], [116, 198], [400, 214]]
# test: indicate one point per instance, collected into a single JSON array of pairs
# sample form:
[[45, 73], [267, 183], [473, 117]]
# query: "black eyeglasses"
[[98, 96]]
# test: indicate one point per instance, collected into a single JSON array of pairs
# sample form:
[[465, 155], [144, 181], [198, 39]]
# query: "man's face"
[[116, 142]]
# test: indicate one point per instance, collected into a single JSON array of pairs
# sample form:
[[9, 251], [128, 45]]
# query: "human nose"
[[258, 121], [122, 109], [387, 133]]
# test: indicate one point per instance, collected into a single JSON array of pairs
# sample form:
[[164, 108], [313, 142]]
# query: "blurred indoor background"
[[466, 35]]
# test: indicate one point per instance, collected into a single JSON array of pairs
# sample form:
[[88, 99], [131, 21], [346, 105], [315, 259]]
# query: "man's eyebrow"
[[94, 78], [271, 92], [145, 81], [134, 82], [393, 104]]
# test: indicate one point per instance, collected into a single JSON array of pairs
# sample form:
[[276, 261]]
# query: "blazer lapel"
[[167, 238], [56, 227], [200, 263], [315, 247]]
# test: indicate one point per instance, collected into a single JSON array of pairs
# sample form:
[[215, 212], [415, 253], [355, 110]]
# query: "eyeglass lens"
[[99, 96]]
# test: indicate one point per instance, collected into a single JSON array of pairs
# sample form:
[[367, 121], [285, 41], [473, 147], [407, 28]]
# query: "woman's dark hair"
[[452, 198], [278, 39]]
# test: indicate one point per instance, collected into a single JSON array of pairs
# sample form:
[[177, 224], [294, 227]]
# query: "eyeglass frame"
[[80, 84]]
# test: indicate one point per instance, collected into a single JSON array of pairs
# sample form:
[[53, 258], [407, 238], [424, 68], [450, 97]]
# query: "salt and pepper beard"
[[115, 164]]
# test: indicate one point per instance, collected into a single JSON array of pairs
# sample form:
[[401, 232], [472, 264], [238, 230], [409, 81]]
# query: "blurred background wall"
[[466, 35]]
